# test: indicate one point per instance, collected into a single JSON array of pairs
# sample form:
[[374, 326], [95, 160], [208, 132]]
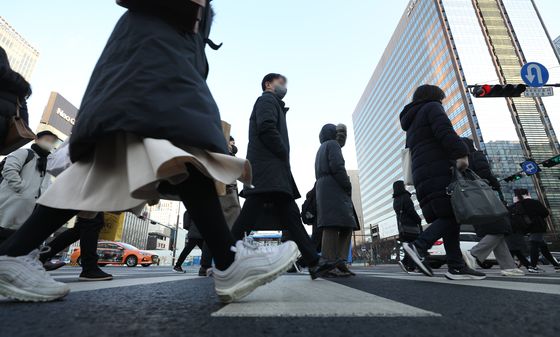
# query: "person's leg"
[[291, 220], [250, 211], [485, 246], [317, 237], [534, 253], [344, 241], [5, 233], [89, 235], [521, 257], [60, 242], [206, 258], [37, 228], [198, 193], [330, 237], [452, 245], [546, 253], [191, 243], [502, 254], [428, 237]]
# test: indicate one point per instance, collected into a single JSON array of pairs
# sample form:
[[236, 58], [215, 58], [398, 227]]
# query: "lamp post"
[[175, 236]]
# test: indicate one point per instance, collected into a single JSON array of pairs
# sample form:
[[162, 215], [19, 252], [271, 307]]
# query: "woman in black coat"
[[408, 220], [148, 128], [335, 212], [435, 148]]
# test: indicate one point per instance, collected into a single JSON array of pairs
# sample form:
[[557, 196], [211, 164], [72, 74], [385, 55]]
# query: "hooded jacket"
[[333, 187], [434, 146], [403, 206]]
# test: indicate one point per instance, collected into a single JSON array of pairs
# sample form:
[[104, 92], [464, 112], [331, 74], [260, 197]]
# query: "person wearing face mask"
[[274, 192], [24, 179]]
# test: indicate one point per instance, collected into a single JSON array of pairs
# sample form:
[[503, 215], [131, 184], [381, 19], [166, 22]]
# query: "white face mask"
[[45, 145]]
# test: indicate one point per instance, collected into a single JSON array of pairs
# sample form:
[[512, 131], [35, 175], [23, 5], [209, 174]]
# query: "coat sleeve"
[[411, 211], [444, 132], [267, 127], [337, 166], [12, 169], [540, 209]]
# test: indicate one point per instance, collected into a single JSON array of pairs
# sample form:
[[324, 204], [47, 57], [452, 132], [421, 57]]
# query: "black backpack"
[[30, 156]]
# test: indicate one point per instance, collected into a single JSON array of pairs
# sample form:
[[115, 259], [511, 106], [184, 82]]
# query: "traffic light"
[[498, 90], [551, 162], [514, 177]]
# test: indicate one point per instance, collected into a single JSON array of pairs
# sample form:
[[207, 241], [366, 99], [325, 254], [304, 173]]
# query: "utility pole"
[[175, 236]]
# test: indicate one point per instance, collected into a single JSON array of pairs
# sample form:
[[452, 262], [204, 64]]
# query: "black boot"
[[95, 274]]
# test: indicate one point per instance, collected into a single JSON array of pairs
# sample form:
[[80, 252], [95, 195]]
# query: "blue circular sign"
[[530, 167], [534, 74]]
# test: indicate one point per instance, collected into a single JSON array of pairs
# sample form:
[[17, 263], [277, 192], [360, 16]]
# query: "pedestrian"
[[147, 128], [493, 235], [24, 180], [86, 230], [516, 241], [335, 211], [536, 214], [435, 147], [14, 91], [230, 206], [274, 191], [408, 221], [194, 239]]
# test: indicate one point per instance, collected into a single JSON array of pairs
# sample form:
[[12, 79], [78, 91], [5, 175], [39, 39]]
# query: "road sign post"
[[534, 74]]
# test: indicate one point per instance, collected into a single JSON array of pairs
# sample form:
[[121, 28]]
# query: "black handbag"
[[473, 200], [407, 232]]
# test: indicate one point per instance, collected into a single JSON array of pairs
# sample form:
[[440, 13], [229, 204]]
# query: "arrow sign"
[[534, 74]]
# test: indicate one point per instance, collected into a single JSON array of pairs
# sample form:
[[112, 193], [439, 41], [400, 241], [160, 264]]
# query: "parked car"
[[110, 252], [437, 257]]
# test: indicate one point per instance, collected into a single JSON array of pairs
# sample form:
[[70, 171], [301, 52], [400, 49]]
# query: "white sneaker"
[[470, 260], [512, 272], [253, 266], [23, 278]]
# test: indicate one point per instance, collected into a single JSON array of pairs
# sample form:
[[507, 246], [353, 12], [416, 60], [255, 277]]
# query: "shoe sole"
[[253, 282], [423, 268], [9, 291], [468, 260], [108, 278], [452, 277], [403, 267]]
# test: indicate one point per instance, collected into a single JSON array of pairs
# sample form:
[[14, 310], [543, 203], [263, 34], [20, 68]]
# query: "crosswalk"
[[298, 296]]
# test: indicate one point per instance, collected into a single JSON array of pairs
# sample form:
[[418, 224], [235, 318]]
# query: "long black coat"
[[269, 148], [150, 81], [402, 201], [434, 145], [333, 186], [12, 87]]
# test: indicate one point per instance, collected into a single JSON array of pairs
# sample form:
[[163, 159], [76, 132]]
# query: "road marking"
[[298, 296], [75, 275], [533, 287], [96, 285], [551, 276]]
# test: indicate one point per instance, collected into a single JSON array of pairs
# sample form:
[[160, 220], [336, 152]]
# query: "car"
[[110, 252], [437, 256]]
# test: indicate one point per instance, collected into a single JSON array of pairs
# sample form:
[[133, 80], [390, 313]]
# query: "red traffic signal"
[[498, 90]]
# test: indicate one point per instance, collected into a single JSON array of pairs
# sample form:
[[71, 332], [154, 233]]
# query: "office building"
[[557, 44], [453, 44], [359, 236], [21, 54], [166, 212]]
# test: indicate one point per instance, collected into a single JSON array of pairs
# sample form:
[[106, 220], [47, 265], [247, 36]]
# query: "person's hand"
[[462, 163]]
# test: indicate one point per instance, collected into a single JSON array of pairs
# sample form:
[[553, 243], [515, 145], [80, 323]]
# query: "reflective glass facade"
[[452, 43]]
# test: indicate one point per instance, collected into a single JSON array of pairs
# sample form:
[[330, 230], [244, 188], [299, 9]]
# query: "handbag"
[[407, 232], [406, 159], [18, 134], [473, 200]]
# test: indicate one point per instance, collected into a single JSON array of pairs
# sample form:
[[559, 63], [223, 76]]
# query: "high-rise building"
[[21, 54], [359, 236], [453, 44], [557, 44], [166, 212]]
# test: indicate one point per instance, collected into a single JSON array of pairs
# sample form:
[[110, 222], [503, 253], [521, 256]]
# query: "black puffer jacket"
[[150, 81], [434, 146], [269, 148], [480, 165], [537, 212], [402, 202], [12, 87], [333, 186]]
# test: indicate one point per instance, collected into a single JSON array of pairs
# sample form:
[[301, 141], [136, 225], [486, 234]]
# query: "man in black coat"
[[274, 190]]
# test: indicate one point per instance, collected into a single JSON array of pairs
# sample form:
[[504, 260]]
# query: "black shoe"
[[95, 275], [178, 269], [202, 271], [49, 266], [343, 268], [464, 273], [418, 259], [292, 270], [321, 269]]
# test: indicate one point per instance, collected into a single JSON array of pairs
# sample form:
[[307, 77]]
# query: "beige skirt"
[[126, 170]]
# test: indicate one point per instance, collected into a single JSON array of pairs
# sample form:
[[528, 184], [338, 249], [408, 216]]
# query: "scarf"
[[42, 160]]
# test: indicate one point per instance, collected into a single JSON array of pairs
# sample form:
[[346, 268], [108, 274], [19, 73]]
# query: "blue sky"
[[328, 50]]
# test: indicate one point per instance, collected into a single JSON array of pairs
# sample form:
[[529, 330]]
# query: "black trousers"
[[198, 193], [541, 247], [85, 230], [191, 243], [284, 212], [521, 257], [5, 233]]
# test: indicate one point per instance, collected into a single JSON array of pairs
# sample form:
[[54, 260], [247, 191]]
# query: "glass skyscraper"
[[452, 44]]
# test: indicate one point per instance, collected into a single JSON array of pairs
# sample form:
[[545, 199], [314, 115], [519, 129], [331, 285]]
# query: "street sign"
[[534, 74], [538, 92], [363, 248], [530, 167]]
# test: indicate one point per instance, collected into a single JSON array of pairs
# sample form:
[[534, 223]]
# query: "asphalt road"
[[380, 301]]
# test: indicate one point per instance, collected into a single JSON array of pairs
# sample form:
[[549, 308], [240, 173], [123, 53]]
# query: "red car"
[[110, 252]]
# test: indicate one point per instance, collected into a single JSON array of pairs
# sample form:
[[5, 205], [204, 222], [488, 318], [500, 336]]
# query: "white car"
[[437, 257]]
